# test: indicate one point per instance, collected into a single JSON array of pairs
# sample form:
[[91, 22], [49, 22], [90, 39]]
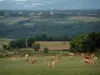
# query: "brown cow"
[[33, 61], [49, 65]]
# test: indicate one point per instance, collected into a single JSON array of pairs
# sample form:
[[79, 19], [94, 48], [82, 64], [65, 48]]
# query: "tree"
[[4, 46], [30, 41], [46, 51], [98, 40], [36, 46], [20, 43], [89, 43], [13, 44], [77, 44]]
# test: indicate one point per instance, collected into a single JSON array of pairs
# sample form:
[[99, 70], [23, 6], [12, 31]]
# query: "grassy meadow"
[[9, 66], [65, 66]]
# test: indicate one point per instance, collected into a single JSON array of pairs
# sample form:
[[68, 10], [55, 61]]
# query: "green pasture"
[[8, 66]]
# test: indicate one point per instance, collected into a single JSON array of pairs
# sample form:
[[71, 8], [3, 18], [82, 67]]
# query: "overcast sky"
[[48, 4]]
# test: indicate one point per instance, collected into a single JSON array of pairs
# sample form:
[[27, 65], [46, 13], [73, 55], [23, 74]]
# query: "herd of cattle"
[[87, 58]]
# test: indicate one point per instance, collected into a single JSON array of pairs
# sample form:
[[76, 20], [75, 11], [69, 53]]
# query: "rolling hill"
[[52, 25]]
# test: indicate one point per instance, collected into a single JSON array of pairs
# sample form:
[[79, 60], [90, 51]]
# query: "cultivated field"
[[12, 20], [54, 45], [84, 19], [9, 66]]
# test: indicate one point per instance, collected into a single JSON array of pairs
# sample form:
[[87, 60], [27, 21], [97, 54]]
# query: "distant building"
[[92, 14], [20, 13], [52, 13]]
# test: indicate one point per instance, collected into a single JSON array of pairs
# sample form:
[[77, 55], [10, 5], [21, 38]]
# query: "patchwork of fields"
[[71, 26]]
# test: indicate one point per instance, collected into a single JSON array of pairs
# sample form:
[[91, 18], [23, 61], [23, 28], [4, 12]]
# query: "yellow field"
[[54, 45]]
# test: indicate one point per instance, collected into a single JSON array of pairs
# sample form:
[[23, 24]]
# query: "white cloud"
[[36, 4], [19, 0], [33, 5], [1, 0]]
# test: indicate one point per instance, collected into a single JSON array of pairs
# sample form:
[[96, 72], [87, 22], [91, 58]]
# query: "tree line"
[[22, 43], [30, 42], [82, 43], [44, 37], [86, 43]]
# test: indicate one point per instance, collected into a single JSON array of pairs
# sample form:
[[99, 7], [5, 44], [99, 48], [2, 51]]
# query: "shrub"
[[4, 46], [2, 55], [46, 51], [36, 46], [23, 52], [10, 54], [30, 41]]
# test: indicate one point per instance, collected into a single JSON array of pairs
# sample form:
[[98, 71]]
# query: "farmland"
[[11, 20], [54, 45], [61, 23]]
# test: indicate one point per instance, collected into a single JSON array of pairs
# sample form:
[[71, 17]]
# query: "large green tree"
[[87, 43]]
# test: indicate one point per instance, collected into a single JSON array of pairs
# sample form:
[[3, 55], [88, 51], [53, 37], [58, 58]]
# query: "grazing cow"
[[33, 61], [58, 56], [26, 58], [82, 54], [93, 58], [54, 58], [53, 64], [71, 55], [49, 65], [56, 61]]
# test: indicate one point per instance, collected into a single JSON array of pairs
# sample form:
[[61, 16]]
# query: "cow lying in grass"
[[90, 59], [87, 59]]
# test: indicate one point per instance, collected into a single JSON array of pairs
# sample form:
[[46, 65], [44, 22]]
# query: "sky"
[[48, 4]]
